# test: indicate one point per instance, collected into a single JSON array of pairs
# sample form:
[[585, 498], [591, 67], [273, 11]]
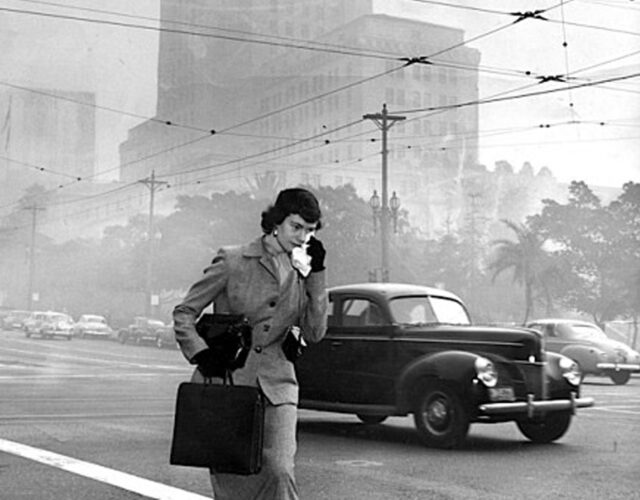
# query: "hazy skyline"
[[120, 64]]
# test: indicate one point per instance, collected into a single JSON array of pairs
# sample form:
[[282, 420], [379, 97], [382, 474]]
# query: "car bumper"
[[619, 367], [531, 406]]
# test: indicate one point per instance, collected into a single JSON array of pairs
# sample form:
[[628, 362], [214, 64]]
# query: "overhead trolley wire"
[[213, 131], [294, 41], [520, 96], [201, 138], [196, 33]]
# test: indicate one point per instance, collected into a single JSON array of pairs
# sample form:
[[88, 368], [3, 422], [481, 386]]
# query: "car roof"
[[392, 290]]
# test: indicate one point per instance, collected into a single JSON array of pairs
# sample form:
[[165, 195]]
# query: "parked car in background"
[[396, 349], [142, 330], [92, 325], [49, 324], [589, 346], [14, 319], [166, 337]]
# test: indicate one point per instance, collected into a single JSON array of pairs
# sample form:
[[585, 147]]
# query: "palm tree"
[[527, 258]]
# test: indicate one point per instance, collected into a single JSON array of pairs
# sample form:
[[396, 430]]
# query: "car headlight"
[[570, 370], [486, 372]]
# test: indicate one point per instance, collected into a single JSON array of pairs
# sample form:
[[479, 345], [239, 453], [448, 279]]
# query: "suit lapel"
[[256, 250]]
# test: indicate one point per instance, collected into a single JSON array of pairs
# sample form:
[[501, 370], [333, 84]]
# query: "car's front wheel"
[[441, 417], [620, 378], [371, 419], [553, 426]]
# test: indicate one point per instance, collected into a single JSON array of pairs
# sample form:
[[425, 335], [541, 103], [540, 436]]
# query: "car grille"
[[526, 378]]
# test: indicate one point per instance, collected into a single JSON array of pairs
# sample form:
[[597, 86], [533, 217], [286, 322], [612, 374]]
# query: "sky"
[[590, 133]]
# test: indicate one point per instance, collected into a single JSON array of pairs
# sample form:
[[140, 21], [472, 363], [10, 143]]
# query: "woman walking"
[[269, 282]]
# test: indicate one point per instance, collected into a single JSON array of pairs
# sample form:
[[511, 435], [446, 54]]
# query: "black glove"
[[210, 363], [316, 251]]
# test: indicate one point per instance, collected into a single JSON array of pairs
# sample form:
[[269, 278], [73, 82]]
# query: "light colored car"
[[166, 337], [49, 324], [589, 346], [92, 325], [14, 319]]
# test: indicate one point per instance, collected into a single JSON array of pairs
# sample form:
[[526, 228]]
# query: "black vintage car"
[[396, 349]]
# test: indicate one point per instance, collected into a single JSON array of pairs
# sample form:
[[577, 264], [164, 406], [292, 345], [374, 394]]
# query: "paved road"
[[96, 417]]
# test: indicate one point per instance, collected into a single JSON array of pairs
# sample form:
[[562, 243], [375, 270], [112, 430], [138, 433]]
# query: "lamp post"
[[394, 205], [384, 121], [374, 203]]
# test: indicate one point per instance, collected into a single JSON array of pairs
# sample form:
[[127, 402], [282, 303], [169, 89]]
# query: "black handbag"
[[228, 336], [220, 427]]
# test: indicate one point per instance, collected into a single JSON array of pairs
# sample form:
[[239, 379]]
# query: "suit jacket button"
[[272, 303], [266, 328], [258, 349]]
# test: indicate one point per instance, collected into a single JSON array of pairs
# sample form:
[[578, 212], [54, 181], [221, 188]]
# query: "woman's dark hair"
[[291, 201]]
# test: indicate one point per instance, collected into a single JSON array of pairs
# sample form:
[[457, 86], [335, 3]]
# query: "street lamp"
[[394, 205], [374, 203], [384, 211]]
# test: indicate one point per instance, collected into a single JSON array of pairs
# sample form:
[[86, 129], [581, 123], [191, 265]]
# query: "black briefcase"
[[220, 427]]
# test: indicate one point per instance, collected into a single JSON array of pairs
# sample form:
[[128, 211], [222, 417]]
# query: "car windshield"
[[94, 319], [583, 332], [59, 317], [420, 310]]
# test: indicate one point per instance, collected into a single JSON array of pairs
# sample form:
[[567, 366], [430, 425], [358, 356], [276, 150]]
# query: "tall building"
[[44, 140], [238, 100]]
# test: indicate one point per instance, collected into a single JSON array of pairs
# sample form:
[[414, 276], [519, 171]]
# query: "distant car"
[[166, 337], [92, 325], [49, 324], [142, 330], [589, 346], [395, 349], [14, 319]]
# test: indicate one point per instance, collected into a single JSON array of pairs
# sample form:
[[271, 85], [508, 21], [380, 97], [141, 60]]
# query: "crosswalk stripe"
[[129, 482]]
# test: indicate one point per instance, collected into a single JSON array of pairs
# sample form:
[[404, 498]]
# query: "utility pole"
[[32, 253], [152, 184], [384, 121]]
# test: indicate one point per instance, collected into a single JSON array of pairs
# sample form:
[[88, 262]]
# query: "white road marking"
[[129, 482], [96, 360]]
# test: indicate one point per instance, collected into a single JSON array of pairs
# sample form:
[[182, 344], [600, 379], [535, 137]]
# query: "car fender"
[[585, 356], [454, 367]]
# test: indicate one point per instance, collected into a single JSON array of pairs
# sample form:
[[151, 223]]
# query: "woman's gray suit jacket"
[[243, 280]]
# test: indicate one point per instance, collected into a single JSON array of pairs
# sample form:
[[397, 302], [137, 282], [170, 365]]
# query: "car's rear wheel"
[[620, 378], [545, 430], [371, 419], [441, 417]]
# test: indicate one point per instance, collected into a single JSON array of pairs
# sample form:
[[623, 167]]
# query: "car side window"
[[332, 320], [361, 312]]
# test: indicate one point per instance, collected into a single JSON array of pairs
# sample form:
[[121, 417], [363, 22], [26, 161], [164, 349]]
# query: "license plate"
[[502, 394]]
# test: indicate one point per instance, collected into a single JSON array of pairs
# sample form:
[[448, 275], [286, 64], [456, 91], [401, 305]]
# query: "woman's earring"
[[275, 232]]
